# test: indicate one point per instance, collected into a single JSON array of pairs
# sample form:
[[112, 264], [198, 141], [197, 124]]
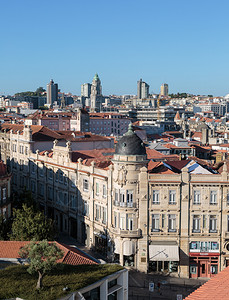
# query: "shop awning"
[[163, 253], [117, 246], [128, 248]]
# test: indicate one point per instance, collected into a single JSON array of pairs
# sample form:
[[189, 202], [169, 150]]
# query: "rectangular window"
[[33, 186], [65, 179], [172, 223], [213, 197], [129, 222], [104, 215], [172, 197], [130, 198], [73, 201], [155, 222], [41, 189], [115, 220], [66, 199], [163, 221], [122, 223], [86, 208], [56, 176], [4, 193], [156, 197], [116, 197], [86, 185], [204, 221], [228, 198], [196, 199], [97, 212], [61, 177], [196, 224], [122, 198], [97, 188], [50, 193], [212, 224], [60, 197], [50, 174], [104, 191], [227, 223]]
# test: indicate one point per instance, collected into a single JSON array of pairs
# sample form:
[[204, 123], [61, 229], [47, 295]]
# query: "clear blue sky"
[[180, 42]]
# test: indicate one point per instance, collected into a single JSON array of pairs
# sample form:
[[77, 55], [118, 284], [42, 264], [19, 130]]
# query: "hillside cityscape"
[[136, 180], [114, 150]]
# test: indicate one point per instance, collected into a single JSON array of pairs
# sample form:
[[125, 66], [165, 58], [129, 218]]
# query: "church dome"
[[130, 144]]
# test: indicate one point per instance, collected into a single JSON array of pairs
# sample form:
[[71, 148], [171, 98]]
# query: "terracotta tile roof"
[[38, 132], [72, 255], [197, 135], [178, 164], [159, 168], [101, 157], [152, 154], [217, 288]]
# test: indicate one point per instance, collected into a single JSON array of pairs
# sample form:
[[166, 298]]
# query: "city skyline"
[[180, 43]]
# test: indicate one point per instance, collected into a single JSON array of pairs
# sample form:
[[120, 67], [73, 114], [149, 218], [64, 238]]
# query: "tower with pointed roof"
[[96, 93]]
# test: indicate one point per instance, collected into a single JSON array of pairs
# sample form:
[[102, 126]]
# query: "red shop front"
[[203, 264]]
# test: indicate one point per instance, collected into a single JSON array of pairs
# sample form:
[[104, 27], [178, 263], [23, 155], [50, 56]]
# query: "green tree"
[[29, 224], [42, 257], [39, 91]]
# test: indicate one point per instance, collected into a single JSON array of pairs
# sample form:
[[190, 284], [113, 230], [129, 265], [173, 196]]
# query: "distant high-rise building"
[[52, 92], [164, 89], [143, 90], [96, 93], [86, 90]]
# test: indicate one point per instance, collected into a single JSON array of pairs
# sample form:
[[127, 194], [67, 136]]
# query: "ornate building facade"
[[170, 217]]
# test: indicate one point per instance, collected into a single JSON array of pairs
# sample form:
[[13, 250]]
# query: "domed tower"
[[130, 163]]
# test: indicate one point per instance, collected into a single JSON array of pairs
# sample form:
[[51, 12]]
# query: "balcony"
[[124, 204], [127, 233]]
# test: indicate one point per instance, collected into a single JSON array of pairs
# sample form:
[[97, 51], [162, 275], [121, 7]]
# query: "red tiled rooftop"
[[72, 255], [216, 288]]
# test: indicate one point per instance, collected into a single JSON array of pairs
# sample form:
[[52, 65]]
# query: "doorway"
[[203, 269]]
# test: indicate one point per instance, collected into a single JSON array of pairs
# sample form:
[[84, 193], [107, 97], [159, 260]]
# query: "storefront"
[[101, 243], [204, 259], [128, 253], [163, 258]]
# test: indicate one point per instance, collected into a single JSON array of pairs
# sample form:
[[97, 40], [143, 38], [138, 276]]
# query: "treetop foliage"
[[29, 224]]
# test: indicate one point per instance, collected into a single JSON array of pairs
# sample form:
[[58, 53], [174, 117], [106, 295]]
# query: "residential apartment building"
[[109, 123], [164, 89], [86, 90], [52, 92], [75, 121], [170, 217], [142, 90]]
